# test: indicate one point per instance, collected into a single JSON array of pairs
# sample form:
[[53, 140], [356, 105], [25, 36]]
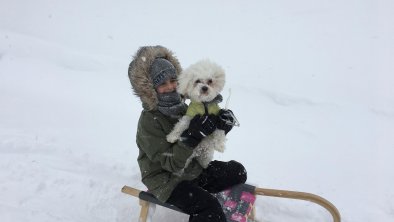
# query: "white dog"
[[202, 83]]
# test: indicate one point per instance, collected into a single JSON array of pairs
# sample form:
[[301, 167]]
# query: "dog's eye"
[[197, 81], [210, 82]]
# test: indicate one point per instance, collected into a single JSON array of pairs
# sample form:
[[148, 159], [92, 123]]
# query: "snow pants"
[[194, 197]]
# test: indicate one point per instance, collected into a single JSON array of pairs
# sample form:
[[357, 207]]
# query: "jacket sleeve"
[[151, 139]]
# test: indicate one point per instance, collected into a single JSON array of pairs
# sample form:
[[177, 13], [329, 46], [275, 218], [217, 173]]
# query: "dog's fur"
[[202, 82]]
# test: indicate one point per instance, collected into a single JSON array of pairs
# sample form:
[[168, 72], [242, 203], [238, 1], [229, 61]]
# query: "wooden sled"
[[147, 198]]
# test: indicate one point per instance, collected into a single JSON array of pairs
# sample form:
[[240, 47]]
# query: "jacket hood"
[[139, 73]]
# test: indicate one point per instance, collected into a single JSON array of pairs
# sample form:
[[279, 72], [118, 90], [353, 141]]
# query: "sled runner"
[[237, 202]]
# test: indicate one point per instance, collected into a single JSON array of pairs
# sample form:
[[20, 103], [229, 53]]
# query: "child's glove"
[[199, 127], [226, 120]]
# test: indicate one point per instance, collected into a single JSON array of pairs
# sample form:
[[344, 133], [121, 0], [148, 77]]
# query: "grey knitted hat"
[[161, 70]]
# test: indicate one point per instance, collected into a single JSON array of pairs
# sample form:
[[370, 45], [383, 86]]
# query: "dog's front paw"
[[219, 141], [220, 147], [171, 138], [204, 162]]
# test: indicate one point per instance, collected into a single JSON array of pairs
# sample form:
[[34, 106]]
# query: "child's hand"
[[202, 126], [199, 127], [226, 120]]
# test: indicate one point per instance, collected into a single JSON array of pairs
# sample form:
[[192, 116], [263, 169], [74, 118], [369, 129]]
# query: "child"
[[153, 75]]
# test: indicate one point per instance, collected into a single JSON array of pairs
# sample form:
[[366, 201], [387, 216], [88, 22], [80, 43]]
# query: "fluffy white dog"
[[202, 83]]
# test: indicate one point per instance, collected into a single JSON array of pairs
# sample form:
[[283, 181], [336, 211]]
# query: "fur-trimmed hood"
[[139, 73]]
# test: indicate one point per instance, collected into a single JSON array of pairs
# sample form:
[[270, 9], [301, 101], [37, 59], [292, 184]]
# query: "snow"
[[311, 85]]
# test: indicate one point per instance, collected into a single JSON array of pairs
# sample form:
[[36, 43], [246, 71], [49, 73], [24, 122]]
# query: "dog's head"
[[202, 81]]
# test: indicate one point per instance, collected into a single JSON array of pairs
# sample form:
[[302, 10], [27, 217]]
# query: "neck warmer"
[[170, 104]]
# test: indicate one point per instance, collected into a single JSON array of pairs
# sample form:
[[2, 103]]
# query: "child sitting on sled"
[[153, 75]]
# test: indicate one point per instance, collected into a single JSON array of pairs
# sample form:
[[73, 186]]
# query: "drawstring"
[[206, 108], [228, 122]]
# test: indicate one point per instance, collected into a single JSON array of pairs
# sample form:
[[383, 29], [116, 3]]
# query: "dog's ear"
[[183, 85], [183, 97]]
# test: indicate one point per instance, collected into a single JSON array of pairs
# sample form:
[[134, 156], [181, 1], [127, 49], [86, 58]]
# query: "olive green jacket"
[[159, 160]]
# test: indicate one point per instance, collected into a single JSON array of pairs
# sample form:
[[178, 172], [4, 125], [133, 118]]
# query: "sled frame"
[[146, 198]]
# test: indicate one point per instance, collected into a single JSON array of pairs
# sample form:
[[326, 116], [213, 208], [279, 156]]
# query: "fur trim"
[[139, 69]]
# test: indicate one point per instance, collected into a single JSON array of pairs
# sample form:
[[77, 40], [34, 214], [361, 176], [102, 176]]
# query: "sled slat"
[[146, 198], [152, 199], [302, 196]]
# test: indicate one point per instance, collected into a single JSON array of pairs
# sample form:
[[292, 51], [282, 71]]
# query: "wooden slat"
[[131, 191]]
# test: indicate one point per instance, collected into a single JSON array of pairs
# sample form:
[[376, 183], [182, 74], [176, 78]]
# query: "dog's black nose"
[[204, 88]]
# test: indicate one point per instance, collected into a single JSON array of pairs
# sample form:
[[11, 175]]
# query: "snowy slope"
[[311, 84]]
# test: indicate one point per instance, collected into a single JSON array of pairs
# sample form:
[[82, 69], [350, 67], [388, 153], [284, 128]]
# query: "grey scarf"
[[171, 104]]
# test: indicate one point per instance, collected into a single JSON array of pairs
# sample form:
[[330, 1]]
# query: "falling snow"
[[311, 83]]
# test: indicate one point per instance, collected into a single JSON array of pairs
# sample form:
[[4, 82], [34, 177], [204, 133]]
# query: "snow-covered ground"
[[311, 84]]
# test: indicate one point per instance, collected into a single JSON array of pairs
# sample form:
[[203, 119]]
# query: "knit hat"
[[161, 70]]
